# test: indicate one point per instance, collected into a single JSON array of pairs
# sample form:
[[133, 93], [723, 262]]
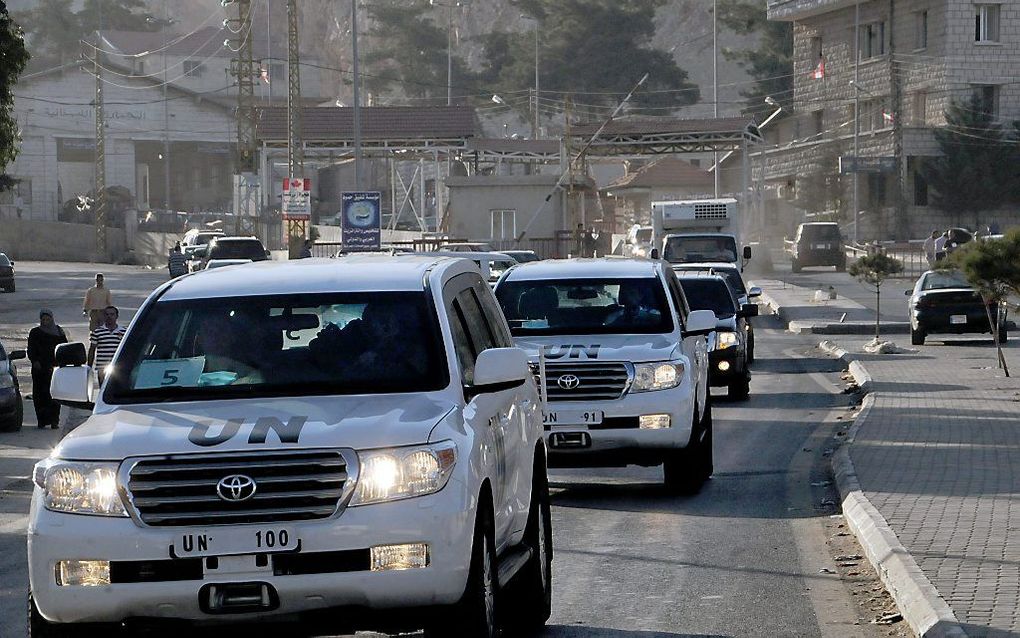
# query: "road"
[[744, 557]]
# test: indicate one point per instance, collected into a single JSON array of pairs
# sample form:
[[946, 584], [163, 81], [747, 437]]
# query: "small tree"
[[873, 270], [993, 268]]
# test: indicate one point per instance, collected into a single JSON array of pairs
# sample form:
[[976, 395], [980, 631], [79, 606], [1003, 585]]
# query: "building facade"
[[887, 69]]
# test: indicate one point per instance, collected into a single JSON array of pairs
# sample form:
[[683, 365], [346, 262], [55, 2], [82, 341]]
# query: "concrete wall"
[[57, 241], [473, 198]]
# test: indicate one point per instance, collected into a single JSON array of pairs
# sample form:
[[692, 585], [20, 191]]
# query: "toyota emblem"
[[568, 382], [236, 488]]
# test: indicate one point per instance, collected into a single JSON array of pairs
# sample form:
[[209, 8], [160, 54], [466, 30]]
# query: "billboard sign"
[[361, 220], [296, 203]]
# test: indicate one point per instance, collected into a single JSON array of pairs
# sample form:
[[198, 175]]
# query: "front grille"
[[289, 486], [596, 381]]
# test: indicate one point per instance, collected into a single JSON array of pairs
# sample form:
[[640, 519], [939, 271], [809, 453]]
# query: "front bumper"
[[335, 547], [619, 440]]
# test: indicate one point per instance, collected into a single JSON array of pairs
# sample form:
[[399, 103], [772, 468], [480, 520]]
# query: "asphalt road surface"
[[741, 558]]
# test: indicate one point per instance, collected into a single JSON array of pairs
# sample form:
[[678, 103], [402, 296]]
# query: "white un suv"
[[355, 442], [625, 363]]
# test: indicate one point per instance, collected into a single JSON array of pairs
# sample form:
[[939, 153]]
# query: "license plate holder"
[[572, 417], [569, 440], [234, 542], [957, 320]]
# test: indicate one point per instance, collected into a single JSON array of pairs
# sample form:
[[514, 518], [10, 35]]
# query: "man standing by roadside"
[[177, 262], [97, 298], [940, 245], [929, 248], [103, 342]]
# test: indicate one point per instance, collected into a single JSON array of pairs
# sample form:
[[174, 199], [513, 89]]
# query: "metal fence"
[[910, 254]]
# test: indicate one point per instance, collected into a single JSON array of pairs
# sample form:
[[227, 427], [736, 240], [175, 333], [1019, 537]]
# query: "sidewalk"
[[931, 479], [797, 307]]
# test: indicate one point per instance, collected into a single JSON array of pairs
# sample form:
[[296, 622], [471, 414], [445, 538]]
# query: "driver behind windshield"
[[635, 308]]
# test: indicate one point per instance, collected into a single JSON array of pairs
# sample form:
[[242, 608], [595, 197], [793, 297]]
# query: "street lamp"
[[449, 46], [534, 124]]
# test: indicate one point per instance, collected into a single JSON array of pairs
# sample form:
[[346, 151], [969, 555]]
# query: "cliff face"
[[685, 26]]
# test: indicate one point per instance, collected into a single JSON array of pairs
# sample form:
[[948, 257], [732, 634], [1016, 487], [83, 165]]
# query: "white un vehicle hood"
[[358, 422], [634, 348]]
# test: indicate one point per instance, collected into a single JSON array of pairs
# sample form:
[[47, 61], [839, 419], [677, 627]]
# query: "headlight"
[[726, 340], [657, 376], [79, 488], [398, 473]]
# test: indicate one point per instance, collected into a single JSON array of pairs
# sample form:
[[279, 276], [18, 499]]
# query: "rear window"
[[942, 280], [586, 306], [241, 249], [825, 231]]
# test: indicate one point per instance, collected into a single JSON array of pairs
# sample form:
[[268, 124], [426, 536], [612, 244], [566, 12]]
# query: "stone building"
[[889, 67]]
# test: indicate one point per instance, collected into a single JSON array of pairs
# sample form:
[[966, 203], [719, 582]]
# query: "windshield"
[[700, 248], [586, 306], [252, 250], [941, 280], [644, 235], [709, 294], [288, 345], [4, 261]]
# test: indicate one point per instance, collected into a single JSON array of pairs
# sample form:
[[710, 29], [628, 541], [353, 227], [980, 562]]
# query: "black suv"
[[6, 273], [236, 248], [818, 244], [12, 408]]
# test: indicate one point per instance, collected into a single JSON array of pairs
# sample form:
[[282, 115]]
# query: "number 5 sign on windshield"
[[162, 373]]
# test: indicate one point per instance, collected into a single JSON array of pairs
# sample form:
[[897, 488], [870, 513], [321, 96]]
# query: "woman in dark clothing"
[[42, 342]]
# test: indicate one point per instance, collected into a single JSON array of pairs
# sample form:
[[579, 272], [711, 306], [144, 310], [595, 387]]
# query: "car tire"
[[531, 591], [750, 345], [917, 336], [740, 389], [15, 422], [684, 471], [476, 614], [39, 627]]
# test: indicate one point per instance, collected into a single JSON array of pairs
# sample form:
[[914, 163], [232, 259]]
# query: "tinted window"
[[731, 275], [586, 306], [288, 345], [494, 316], [478, 327], [821, 232], [462, 343], [941, 280], [246, 249], [709, 294]]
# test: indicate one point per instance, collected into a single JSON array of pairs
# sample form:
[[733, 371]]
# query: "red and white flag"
[[887, 117], [819, 71]]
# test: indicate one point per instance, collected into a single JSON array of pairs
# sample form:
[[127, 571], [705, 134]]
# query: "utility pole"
[[357, 96], [535, 128], [901, 226], [857, 119], [296, 228], [99, 203], [715, 83], [243, 68], [164, 25]]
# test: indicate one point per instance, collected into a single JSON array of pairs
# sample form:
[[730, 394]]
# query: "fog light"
[[724, 366], [653, 421], [83, 573], [409, 556]]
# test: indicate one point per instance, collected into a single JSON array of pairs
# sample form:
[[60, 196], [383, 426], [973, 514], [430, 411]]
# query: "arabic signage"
[[297, 199], [851, 164], [361, 220]]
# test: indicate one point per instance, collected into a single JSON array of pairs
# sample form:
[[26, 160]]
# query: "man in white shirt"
[[104, 341], [929, 248], [940, 245]]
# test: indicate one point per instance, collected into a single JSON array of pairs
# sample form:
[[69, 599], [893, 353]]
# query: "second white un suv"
[[625, 362], [356, 442]]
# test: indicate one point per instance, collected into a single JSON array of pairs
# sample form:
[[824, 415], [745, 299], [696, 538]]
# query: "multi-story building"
[[887, 69]]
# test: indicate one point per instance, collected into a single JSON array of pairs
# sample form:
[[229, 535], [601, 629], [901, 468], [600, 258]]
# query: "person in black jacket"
[[42, 342]]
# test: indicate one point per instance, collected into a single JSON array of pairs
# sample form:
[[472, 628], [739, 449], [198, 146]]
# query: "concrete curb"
[[836, 328], [918, 600]]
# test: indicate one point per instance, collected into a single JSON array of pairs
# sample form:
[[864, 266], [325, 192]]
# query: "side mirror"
[[14, 355], [748, 310], [754, 291], [700, 322], [747, 252], [499, 369], [72, 386], [655, 253], [70, 355]]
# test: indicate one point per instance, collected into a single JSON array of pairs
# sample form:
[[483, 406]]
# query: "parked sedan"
[[12, 408], [943, 302], [728, 352], [6, 273]]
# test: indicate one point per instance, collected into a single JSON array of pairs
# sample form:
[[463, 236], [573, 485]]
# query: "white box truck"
[[698, 230]]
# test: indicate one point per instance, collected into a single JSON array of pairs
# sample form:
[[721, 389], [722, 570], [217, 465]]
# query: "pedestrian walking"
[[177, 263], [103, 342], [42, 342], [97, 298], [940, 246], [929, 248]]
